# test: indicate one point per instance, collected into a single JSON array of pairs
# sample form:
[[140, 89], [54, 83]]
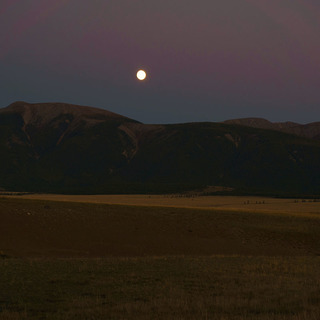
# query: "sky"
[[206, 60]]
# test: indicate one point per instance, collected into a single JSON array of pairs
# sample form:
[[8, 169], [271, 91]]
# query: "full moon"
[[141, 75]]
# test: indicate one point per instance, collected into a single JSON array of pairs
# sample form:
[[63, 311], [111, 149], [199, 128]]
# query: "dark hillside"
[[310, 130], [240, 157], [73, 149]]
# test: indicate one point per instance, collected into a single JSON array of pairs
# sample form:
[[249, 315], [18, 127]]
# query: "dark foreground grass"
[[216, 287], [62, 260]]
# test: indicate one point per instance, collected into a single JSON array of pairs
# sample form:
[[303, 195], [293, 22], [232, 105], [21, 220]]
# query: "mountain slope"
[[310, 130], [74, 149]]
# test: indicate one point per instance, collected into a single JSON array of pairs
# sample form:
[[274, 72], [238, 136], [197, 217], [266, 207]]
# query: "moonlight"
[[141, 75]]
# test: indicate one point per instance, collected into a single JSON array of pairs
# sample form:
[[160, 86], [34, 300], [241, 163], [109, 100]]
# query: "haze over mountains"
[[55, 147]]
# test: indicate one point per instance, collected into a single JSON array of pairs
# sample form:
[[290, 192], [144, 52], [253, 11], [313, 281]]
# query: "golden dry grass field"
[[159, 257], [37, 228], [228, 203]]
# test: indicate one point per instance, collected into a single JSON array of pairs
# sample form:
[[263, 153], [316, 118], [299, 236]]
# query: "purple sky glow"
[[206, 60]]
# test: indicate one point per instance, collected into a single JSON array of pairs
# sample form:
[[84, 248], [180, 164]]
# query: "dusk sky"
[[206, 60]]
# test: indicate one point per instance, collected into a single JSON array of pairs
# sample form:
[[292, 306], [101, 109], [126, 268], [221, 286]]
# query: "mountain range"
[[310, 130], [63, 148]]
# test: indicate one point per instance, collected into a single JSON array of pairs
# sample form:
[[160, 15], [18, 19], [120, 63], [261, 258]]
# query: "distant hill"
[[64, 148], [310, 130]]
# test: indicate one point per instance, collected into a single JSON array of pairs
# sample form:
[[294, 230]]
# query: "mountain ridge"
[[31, 114], [64, 148], [309, 130], [43, 113]]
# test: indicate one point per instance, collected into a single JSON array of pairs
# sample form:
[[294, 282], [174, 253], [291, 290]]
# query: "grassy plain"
[[222, 259], [219, 287], [225, 203]]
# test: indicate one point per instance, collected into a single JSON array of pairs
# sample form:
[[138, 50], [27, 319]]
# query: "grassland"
[[220, 287], [39, 228], [226, 260], [224, 203]]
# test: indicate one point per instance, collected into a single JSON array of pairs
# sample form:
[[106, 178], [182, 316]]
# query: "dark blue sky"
[[206, 60]]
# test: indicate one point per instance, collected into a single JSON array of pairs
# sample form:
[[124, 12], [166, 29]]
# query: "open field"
[[38, 228], [220, 287], [225, 203], [76, 260]]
